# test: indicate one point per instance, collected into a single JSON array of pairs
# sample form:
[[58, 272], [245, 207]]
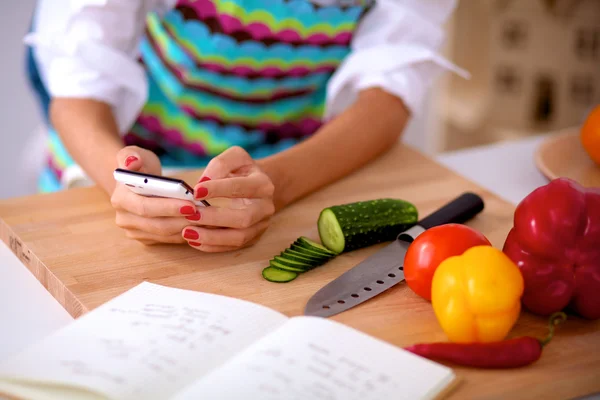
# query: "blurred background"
[[19, 113], [535, 68]]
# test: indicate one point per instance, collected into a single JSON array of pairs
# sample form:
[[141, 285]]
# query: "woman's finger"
[[225, 236], [150, 238], [242, 218], [212, 249], [135, 158], [220, 249], [130, 158], [228, 161], [161, 226], [255, 185], [151, 207]]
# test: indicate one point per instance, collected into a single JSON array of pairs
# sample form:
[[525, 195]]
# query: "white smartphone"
[[157, 186]]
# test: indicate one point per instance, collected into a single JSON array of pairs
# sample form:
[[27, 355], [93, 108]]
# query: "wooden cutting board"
[[562, 155], [70, 243]]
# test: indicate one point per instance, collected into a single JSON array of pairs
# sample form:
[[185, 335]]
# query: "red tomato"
[[431, 248]]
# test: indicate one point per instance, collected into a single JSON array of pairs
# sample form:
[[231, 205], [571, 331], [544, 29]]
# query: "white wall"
[[19, 114]]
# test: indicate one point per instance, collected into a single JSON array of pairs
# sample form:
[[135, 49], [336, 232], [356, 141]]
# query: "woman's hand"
[[150, 220], [236, 176]]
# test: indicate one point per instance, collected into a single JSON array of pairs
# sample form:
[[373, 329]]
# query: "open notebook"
[[156, 342]]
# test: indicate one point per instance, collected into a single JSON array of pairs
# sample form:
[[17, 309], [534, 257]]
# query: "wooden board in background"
[[70, 243]]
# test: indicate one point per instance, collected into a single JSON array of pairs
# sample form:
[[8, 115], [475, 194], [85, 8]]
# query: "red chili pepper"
[[510, 353]]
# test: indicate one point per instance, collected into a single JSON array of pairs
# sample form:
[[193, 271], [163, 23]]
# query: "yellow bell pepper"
[[476, 296]]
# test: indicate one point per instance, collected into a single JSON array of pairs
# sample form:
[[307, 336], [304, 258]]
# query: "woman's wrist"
[[89, 133], [274, 170]]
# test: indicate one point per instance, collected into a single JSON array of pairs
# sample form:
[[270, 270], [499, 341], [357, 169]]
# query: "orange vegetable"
[[590, 135]]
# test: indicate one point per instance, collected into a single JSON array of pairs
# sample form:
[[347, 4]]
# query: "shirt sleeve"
[[88, 49], [396, 47]]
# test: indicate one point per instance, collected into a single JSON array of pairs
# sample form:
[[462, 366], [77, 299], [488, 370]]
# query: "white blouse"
[[87, 49]]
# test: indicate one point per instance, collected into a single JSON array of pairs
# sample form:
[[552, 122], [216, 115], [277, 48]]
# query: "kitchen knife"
[[384, 269]]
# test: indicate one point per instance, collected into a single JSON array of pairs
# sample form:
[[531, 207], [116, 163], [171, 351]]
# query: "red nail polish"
[[190, 234], [195, 217], [201, 192], [187, 210], [195, 244], [204, 179], [129, 160]]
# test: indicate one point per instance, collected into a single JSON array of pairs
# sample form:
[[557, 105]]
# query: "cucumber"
[[343, 228], [352, 226], [309, 244], [273, 274], [279, 265]]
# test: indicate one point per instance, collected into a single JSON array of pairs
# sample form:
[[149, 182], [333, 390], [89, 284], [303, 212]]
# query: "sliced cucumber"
[[309, 244], [292, 255], [353, 226], [273, 274], [305, 263], [312, 263], [279, 265], [296, 264], [309, 252], [302, 256]]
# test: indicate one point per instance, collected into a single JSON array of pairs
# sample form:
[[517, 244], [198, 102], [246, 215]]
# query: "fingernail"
[[195, 244], [204, 179], [187, 210], [129, 160], [195, 217], [201, 192], [190, 234]]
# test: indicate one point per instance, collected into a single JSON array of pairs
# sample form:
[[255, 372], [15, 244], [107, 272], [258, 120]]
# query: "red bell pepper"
[[555, 241]]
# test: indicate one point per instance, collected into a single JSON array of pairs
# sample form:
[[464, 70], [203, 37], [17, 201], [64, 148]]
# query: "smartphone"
[[157, 186]]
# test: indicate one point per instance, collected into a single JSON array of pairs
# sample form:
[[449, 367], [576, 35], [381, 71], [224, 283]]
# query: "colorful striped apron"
[[221, 73]]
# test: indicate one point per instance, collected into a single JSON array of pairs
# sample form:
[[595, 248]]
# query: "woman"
[[277, 98]]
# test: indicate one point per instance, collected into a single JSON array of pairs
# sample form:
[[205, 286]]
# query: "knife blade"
[[384, 269]]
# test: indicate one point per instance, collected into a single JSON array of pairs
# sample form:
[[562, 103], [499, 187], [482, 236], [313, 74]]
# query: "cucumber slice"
[[309, 244], [277, 275], [292, 255], [279, 265], [291, 263], [312, 253], [353, 226]]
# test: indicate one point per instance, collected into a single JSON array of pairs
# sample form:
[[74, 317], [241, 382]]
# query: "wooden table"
[[70, 243]]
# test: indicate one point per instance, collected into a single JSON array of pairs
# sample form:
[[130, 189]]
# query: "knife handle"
[[459, 210]]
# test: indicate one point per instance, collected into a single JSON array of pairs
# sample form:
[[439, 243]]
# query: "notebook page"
[[147, 343], [319, 359]]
